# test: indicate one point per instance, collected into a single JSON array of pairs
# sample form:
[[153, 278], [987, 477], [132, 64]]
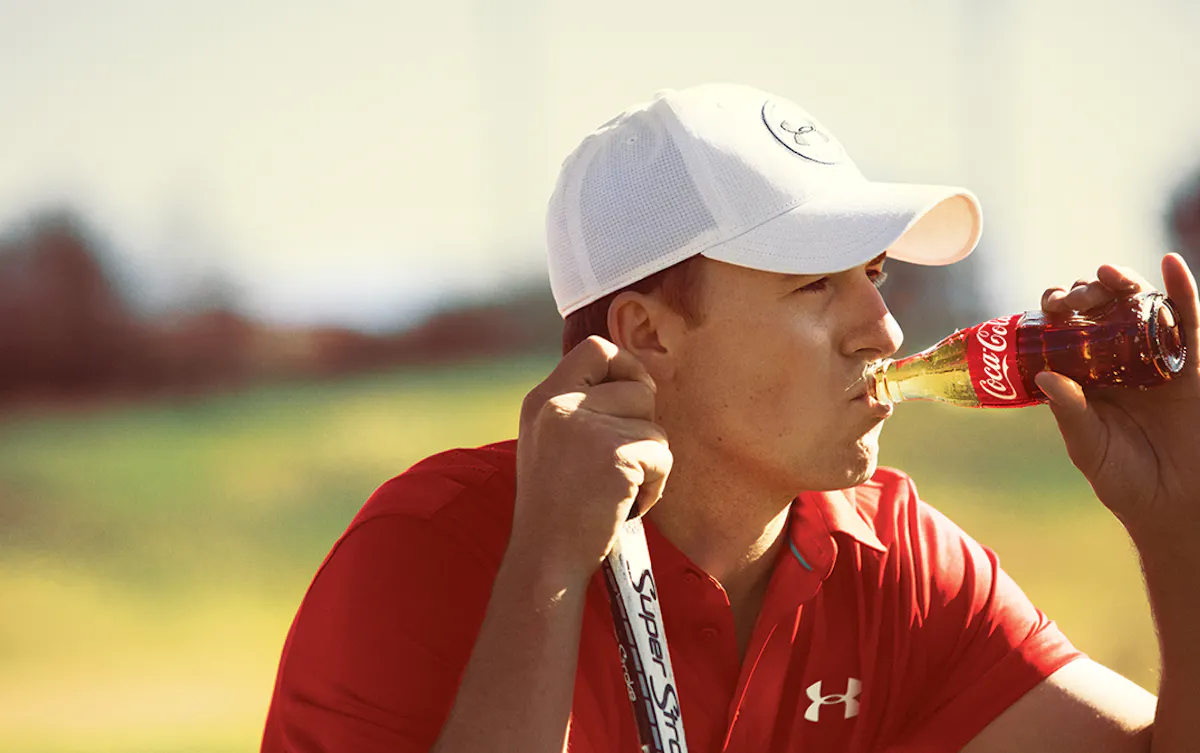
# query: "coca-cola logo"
[[993, 336]]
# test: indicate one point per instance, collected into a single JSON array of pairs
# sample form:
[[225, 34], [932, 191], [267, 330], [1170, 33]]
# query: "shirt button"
[[709, 632]]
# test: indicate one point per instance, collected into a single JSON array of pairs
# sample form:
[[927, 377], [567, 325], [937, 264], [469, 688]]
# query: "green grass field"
[[152, 557]]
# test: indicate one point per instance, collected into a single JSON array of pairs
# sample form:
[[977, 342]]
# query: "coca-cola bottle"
[[1133, 341]]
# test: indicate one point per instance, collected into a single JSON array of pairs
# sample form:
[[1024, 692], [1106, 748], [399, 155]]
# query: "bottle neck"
[[939, 374], [882, 383]]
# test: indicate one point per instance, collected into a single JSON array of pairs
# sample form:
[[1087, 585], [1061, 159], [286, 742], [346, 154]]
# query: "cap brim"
[[915, 223]]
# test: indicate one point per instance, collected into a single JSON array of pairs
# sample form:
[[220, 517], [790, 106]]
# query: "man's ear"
[[647, 328]]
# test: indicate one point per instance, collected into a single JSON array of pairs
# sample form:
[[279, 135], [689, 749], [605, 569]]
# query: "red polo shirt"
[[884, 628]]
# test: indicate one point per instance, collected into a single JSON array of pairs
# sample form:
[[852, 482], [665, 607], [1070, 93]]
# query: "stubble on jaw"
[[868, 445], [859, 460]]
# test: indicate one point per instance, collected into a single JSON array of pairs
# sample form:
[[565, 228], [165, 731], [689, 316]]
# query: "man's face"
[[772, 381]]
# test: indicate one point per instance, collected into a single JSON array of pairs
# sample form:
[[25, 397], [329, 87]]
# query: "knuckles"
[[564, 418], [598, 345], [557, 418], [1082, 296], [532, 401], [594, 349], [562, 406]]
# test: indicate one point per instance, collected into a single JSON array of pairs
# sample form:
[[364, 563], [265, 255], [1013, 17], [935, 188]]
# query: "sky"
[[362, 162]]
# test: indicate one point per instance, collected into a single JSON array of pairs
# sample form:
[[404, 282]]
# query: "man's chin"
[[852, 464], [867, 472], [866, 460], [854, 471]]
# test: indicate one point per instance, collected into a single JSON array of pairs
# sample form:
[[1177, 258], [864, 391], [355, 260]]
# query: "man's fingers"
[[654, 459], [595, 361], [1181, 289], [1087, 295], [1123, 280], [1080, 427], [626, 366], [1082, 295], [1052, 298], [620, 399], [1064, 393], [1111, 282]]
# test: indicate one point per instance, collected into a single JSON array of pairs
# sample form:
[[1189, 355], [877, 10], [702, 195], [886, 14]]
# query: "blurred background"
[[258, 257]]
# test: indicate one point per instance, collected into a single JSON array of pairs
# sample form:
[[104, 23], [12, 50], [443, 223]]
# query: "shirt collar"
[[813, 519], [843, 515]]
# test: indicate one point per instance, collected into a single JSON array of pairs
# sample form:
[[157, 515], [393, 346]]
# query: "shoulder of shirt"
[[479, 479]]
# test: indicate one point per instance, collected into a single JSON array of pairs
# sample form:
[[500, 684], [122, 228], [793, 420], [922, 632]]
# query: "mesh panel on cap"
[[637, 202], [564, 270], [752, 198]]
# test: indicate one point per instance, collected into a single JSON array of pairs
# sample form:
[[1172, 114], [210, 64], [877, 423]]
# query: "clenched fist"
[[588, 455]]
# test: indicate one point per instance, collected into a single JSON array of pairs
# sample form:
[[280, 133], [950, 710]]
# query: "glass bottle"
[[1133, 341]]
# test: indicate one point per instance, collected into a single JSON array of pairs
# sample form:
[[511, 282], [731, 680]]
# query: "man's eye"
[[877, 277], [816, 286]]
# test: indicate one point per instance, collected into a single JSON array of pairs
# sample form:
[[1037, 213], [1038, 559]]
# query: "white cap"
[[740, 176]]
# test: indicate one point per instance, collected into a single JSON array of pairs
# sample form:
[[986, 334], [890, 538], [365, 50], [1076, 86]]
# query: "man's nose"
[[893, 336], [878, 334]]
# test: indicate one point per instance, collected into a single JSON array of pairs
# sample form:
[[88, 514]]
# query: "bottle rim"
[[1170, 355]]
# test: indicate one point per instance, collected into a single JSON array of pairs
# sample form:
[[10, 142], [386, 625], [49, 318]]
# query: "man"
[[716, 256]]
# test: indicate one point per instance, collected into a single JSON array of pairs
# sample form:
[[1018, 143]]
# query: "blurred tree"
[[1183, 220], [521, 318], [204, 341], [69, 329], [64, 327]]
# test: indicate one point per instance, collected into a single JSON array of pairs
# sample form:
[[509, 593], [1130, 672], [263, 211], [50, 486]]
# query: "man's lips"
[[863, 395]]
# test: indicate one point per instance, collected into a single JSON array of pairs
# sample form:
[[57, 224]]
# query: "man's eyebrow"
[[793, 277]]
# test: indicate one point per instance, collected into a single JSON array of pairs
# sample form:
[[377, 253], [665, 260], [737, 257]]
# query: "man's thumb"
[[1080, 426]]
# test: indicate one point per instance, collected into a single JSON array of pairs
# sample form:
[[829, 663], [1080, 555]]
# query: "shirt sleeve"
[[980, 643], [376, 652]]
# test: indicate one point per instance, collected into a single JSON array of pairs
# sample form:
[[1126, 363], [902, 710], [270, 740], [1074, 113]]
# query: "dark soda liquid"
[[1131, 342]]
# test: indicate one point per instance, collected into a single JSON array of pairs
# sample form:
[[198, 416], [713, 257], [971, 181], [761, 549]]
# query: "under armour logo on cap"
[[850, 698], [800, 132]]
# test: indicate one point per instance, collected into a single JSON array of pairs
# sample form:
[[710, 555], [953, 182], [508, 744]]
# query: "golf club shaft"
[[646, 662]]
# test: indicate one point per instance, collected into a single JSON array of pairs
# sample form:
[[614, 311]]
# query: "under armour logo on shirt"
[[850, 698]]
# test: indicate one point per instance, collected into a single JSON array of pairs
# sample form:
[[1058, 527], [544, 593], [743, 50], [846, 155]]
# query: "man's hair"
[[677, 286]]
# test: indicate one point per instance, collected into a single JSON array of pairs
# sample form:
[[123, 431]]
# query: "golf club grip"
[[641, 640]]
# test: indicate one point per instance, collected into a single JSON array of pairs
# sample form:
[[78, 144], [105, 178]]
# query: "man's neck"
[[733, 534]]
